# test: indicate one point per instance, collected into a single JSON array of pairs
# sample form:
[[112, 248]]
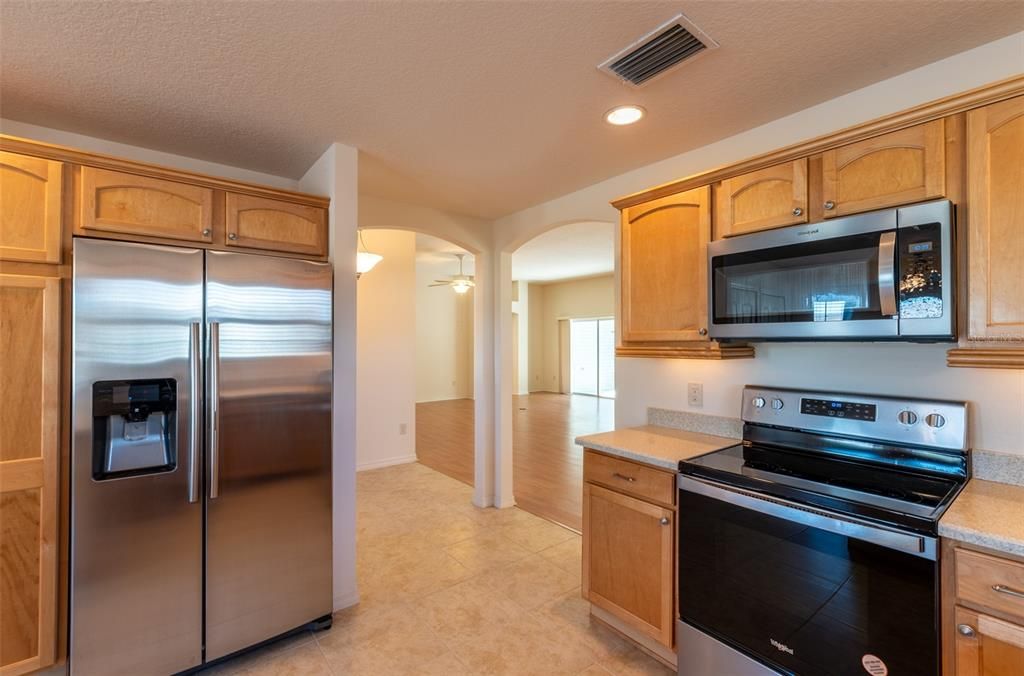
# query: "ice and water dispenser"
[[133, 423]]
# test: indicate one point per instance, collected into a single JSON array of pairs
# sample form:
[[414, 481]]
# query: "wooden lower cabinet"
[[29, 452], [629, 562], [982, 612], [988, 646]]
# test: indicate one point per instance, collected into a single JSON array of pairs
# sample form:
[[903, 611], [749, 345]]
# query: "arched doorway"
[[562, 341]]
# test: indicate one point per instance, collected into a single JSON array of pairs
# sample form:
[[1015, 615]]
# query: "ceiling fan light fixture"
[[462, 286], [623, 115]]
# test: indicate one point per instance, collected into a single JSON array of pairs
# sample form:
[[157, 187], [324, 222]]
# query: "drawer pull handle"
[[1003, 589], [630, 479]]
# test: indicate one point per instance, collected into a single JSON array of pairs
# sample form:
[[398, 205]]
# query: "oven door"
[[800, 590], [826, 280]]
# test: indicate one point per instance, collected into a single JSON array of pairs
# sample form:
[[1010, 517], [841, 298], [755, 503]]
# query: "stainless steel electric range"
[[811, 548]]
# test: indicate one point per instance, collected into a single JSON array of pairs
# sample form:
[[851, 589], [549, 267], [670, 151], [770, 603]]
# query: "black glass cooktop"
[[884, 493]]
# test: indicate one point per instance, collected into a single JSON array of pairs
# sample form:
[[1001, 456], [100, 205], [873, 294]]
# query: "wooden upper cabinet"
[[664, 268], [113, 201], [629, 559], [29, 450], [263, 223], [768, 198], [987, 646], [893, 169], [995, 221], [30, 208]]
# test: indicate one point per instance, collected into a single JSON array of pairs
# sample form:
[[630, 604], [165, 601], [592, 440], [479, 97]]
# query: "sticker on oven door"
[[874, 665]]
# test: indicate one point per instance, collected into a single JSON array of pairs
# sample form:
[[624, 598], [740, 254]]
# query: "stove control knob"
[[934, 420], [777, 404], [907, 417], [758, 402]]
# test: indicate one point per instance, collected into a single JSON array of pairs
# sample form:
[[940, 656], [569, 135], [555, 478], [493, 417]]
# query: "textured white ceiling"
[[476, 107], [569, 252]]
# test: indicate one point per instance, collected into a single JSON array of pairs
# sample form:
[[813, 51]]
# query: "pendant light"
[[364, 259]]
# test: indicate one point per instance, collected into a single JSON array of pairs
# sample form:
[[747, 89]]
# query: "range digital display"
[[831, 408]]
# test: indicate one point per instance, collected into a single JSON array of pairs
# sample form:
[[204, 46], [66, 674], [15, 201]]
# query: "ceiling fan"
[[460, 283]]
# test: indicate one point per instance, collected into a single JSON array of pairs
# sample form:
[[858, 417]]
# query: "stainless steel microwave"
[[884, 275]]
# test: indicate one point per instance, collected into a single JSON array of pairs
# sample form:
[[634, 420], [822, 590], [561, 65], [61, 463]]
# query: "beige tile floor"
[[447, 588]]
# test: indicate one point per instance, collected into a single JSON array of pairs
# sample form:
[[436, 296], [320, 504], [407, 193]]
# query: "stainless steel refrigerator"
[[201, 454]]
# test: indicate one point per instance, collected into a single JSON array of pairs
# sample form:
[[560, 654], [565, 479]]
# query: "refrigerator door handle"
[[194, 429], [214, 410]]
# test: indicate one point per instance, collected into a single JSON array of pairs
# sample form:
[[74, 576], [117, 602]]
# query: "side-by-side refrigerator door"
[[268, 546], [136, 499]]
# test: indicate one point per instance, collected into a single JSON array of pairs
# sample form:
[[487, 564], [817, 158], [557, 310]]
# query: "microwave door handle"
[[887, 273]]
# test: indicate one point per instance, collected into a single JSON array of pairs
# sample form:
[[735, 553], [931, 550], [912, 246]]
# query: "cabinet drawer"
[[113, 201], [630, 477], [990, 582]]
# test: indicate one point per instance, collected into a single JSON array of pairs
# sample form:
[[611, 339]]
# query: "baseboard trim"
[[387, 462], [346, 601]]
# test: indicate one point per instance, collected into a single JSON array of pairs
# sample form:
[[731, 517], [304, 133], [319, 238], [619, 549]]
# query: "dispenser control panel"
[[133, 427]]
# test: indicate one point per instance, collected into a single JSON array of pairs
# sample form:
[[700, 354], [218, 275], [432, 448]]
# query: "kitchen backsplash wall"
[[996, 397]]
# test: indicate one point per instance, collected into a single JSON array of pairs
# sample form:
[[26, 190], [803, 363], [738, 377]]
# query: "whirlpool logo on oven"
[[781, 647]]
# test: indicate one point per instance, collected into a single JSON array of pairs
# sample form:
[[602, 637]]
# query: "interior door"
[[268, 530], [136, 536]]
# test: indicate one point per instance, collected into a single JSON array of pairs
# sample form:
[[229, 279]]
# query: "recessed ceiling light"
[[621, 115]]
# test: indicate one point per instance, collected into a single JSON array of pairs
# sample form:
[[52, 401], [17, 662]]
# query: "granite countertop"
[[988, 514], [652, 445]]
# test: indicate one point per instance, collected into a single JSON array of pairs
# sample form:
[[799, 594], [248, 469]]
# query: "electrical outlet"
[[695, 394], [403, 428]]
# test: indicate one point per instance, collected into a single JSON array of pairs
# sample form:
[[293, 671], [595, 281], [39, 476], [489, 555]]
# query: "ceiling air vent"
[[665, 47]]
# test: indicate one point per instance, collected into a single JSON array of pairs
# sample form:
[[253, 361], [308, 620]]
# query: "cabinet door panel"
[[995, 176], [30, 208], [261, 223], [769, 198], [113, 201], [996, 647], [629, 560], [29, 446], [897, 168], [664, 268]]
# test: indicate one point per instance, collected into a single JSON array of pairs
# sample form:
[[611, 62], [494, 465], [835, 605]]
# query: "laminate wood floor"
[[444, 437], [547, 464]]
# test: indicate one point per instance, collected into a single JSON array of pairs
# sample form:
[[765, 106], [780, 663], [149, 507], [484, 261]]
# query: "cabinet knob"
[[665, 521], [830, 205], [703, 332], [232, 235], [965, 629], [797, 211], [206, 232]]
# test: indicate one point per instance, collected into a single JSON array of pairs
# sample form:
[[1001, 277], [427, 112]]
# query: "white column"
[[503, 382], [335, 175]]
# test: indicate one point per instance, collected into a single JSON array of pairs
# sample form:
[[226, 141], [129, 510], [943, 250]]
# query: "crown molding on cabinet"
[[992, 358], [687, 351], [51, 151], [950, 105]]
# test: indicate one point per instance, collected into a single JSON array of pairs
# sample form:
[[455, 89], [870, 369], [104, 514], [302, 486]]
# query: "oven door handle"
[[887, 273], [918, 545]]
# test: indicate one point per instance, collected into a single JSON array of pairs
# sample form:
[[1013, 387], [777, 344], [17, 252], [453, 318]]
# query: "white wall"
[[572, 299], [444, 335], [335, 174], [386, 353], [997, 397]]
